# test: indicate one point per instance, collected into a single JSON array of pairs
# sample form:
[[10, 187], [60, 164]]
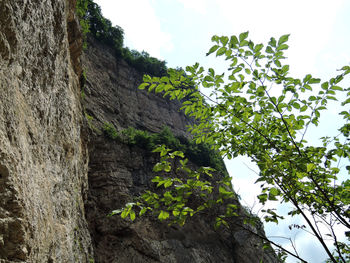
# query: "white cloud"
[[141, 26]]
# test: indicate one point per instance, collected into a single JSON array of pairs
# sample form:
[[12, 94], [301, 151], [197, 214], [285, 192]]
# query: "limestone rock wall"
[[111, 95], [118, 172], [43, 160]]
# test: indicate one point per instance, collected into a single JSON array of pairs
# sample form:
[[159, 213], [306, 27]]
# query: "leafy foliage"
[[93, 22], [262, 112], [143, 62], [111, 132], [102, 29], [200, 154], [182, 196], [81, 10]]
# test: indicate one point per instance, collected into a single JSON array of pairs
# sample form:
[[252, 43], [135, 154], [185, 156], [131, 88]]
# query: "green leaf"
[[236, 70], [234, 41], [143, 211], [272, 42], [347, 101], [285, 68], [228, 54], [212, 49], [338, 79], [258, 47], [269, 50], [304, 108], [296, 105], [277, 63], [243, 43], [251, 45], [168, 183], [307, 78], [132, 215], [158, 167], [224, 40], [262, 198], [152, 87], [163, 215], [283, 39], [324, 85], [310, 167], [312, 98], [234, 62], [143, 85], [331, 98], [282, 47], [115, 212], [314, 81], [274, 191], [215, 39], [125, 213], [160, 88], [178, 153], [211, 71], [221, 51], [243, 36], [336, 88], [176, 213], [280, 99]]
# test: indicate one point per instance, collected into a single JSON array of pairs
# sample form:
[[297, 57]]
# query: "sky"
[[179, 31]]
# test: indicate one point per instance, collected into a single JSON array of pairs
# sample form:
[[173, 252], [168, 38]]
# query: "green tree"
[[262, 112]]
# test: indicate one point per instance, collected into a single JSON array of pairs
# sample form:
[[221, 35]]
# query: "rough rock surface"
[[43, 161], [118, 172], [112, 95]]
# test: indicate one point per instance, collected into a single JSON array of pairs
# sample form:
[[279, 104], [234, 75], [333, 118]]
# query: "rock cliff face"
[[118, 172], [112, 95], [43, 160], [60, 177]]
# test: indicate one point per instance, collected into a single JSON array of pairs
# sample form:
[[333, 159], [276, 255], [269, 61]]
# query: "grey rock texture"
[[118, 172], [112, 95], [43, 160]]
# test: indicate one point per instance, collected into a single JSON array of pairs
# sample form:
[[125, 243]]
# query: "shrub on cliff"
[[200, 154]]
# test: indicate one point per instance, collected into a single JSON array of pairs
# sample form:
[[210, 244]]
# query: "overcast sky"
[[179, 32]]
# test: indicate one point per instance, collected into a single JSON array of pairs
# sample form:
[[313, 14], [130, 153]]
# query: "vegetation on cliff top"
[[93, 23]]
